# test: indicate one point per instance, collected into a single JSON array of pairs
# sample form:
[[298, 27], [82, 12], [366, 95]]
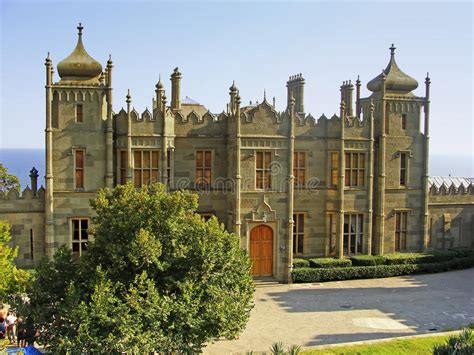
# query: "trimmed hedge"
[[329, 263], [367, 260], [298, 262], [378, 271]]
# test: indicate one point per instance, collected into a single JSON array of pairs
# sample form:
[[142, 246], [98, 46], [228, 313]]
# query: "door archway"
[[261, 250]]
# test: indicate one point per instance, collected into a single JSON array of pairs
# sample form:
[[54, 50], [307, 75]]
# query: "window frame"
[[403, 122], [297, 235], [357, 234], [79, 112], [350, 170], [266, 171], [332, 234], [80, 170], [203, 183], [334, 169], [123, 159], [401, 231], [142, 169], [298, 170], [80, 241], [403, 158]]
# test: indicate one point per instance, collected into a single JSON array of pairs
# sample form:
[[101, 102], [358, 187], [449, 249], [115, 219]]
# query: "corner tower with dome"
[[286, 183]]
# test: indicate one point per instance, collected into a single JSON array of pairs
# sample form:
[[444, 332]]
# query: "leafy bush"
[[298, 262], [378, 271], [329, 262], [408, 258], [462, 344], [367, 260]]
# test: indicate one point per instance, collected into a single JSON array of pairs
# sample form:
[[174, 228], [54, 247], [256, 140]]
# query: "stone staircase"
[[261, 282]]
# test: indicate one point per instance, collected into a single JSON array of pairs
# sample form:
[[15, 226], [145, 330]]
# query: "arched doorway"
[[261, 250]]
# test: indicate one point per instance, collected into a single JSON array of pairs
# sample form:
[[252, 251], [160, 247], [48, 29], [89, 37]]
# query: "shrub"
[[408, 258], [367, 260], [461, 344], [378, 271], [329, 262], [298, 262]]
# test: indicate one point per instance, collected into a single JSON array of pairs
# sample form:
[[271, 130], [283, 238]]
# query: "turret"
[[295, 85], [160, 91], [175, 87], [34, 180], [346, 95]]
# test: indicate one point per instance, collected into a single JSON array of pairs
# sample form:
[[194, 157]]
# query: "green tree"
[[12, 280], [8, 181], [156, 278]]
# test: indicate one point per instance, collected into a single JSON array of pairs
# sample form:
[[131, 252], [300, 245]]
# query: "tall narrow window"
[[80, 235], [79, 117], [298, 233], [332, 234], [355, 169], [263, 176], [401, 231], [32, 250], [299, 168], [403, 169], [404, 122], [353, 233], [203, 167], [334, 168], [145, 167], [79, 168], [168, 167], [387, 119], [123, 167]]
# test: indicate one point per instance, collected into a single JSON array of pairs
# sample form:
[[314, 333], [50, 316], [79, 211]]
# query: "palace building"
[[288, 183]]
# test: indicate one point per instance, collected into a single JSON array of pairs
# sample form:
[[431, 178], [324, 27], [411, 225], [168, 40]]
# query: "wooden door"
[[261, 250]]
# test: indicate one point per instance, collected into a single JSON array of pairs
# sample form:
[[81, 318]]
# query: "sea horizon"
[[19, 162]]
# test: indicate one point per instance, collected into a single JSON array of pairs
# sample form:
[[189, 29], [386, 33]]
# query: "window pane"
[[154, 176], [123, 159], [362, 161], [268, 159], [137, 159], [208, 159], [259, 160], [84, 224], [154, 160], [146, 177], [300, 243], [79, 113], [79, 159], [199, 158], [259, 180], [137, 178], [355, 161], [348, 161], [75, 234], [146, 159], [75, 247], [361, 177], [79, 179], [347, 178], [300, 223], [207, 176]]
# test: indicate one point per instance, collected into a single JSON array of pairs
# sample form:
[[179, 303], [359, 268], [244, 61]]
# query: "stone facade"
[[354, 183]]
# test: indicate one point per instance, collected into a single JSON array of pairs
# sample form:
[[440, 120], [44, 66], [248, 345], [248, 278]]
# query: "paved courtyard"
[[345, 311]]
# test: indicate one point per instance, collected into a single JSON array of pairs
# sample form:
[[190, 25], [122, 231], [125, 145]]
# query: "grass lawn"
[[406, 346]]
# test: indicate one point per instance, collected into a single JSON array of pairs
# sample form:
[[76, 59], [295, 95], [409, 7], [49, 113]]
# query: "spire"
[[159, 84], [392, 51], [128, 97], [80, 28], [264, 95]]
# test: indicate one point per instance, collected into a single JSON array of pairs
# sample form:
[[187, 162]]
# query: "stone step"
[[260, 282]]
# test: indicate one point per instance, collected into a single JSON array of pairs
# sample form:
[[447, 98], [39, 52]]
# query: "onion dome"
[[159, 84], [233, 88], [396, 80], [79, 65]]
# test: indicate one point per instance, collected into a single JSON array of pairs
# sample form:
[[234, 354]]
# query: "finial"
[[264, 95], [392, 50], [129, 97], [33, 172], [233, 88], [80, 28], [427, 79], [48, 60], [371, 105], [109, 62]]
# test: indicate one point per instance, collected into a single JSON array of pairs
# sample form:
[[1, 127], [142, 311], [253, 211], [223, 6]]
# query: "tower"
[[79, 144], [401, 161]]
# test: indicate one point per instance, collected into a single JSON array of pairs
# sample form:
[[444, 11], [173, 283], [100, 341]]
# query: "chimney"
[[347, 89], [175, 86], [295, 87], [34, 180]]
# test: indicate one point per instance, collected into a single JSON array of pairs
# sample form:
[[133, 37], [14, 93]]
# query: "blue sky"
[[259, 44]]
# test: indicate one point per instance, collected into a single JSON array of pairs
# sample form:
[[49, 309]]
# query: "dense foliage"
[[329, 262], [462, 344], [12, 280], [157, 278], [378, 271], [8, 181]]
